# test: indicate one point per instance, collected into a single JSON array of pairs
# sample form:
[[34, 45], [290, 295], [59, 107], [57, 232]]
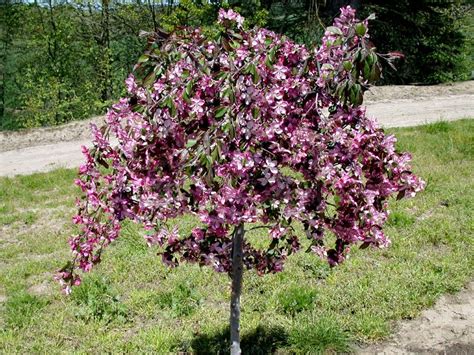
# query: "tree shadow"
[[262, 340]]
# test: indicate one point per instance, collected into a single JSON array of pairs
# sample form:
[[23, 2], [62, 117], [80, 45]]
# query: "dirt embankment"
[[70, 132], [392, 105], [43, 149]]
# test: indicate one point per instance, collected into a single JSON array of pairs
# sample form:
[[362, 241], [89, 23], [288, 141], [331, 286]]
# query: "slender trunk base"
[[237, 271]]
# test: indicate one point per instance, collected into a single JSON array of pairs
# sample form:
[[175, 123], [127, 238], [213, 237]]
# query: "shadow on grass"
[[262, 340]]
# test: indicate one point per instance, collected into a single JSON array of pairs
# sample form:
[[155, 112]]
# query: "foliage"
[[68, 60], [65, 60], [212, 127], [435, 36], [431, 34]]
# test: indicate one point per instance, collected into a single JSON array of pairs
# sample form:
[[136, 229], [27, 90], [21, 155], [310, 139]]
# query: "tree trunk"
[[237, 271], [105, 48], [5, 33], [152, 9]]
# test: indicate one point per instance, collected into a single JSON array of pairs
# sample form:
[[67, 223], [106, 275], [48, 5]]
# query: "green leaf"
[[270, 59], [236, 35], [371, 58], [229, 129], [220, 112], [209, 160], [191, 143], [356, 95], [226, 127], [149, 79], [375, 73], [226, 92], [189, 88], [170, 104], [252, 69], [255, 112], [360, 29], [347, 65], [186, 96], [235, 44], [215, 154], [272, 54], [327, 66], [143, 58], [366, 70]]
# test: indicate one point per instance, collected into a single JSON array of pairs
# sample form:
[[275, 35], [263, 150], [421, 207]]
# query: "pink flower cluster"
[[232, 129]]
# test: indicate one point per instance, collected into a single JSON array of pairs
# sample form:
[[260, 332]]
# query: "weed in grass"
[[320, 335], [437, 127], [156, 340], [400, 219], [372, 325], [182, 300], [21, 308], [295, 299], [98, 301], [29, 218], [25, 218], [132, 241], [318, 268]]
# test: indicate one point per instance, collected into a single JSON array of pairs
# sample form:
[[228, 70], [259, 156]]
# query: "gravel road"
[[44, 149]]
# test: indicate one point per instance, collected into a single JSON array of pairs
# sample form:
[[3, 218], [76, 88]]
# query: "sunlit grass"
[[132, 303]]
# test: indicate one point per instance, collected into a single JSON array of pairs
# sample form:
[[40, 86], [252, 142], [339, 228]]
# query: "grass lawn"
[[132, 303]]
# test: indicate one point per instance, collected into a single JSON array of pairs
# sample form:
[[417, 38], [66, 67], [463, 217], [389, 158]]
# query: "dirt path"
[[447, 328], [44, 149]]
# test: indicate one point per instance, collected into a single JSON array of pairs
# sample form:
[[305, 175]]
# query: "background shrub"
[[67, 60]]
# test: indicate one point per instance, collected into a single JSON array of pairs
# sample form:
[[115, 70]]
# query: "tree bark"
[[237, 271], [6, 38], [105, 48]]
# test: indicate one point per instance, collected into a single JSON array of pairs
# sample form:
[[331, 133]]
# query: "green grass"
[[132, 303]]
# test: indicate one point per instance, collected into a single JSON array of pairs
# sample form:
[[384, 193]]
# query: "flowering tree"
[[242, 127]]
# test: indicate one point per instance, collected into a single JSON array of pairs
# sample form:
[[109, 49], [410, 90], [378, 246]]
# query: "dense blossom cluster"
[[247, 127]]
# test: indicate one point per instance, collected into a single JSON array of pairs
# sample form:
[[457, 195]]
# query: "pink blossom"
[[233, 135], [230, 15]]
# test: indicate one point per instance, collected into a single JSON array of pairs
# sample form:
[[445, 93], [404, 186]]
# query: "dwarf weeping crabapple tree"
[[241, 127]]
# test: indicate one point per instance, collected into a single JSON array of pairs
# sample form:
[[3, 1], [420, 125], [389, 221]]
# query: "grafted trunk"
[[237, 271]]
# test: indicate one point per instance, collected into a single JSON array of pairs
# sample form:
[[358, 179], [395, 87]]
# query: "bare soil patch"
[[71, 132], [447, 328], [417, 92]]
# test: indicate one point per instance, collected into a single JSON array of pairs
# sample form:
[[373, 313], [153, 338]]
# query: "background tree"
[[67, 59], [433, 36], [10, 15], [228, 125]]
